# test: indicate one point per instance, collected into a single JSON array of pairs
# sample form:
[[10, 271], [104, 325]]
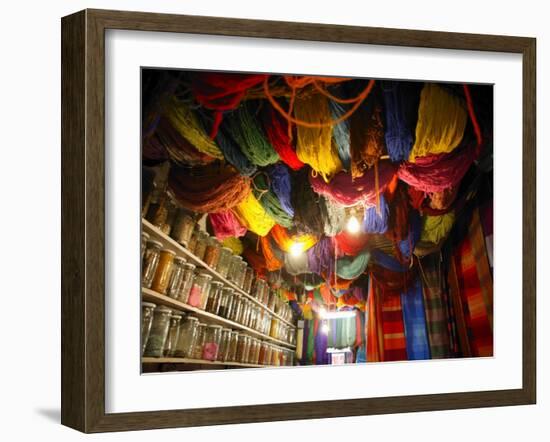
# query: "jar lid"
[[238, 257], [205, 274], [189, 266], [216, 283], [180, 259], [163, 308], [174, 315], [226, 329], [215, 326], [145, 234], [228, 249], [171, 252], [154, 243], [192, 318], [148, 304]]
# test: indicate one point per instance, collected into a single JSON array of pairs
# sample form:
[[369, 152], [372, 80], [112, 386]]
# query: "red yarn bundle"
[[350, 244], [276, 129], [222, 92], [225, 224]]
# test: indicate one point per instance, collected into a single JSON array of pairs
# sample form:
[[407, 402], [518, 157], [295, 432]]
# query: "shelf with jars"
[[156, 298], [189, 361], [206, 251]]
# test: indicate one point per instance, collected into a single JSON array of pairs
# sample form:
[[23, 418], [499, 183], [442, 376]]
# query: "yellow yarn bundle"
[[314, 144], [441, 122], [235, 244], [436, 228], [186, 122], [252, 215]]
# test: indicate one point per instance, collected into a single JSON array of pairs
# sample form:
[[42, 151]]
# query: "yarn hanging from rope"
[[350, 244], [321, 257], [367, 136], [437, 228], [277, 132], [211, 188], [296, 264], [387, 262], [399, 214], [441, 201], [233, 243], [269, 201], [281, 185], [406, 246], [187, 124], [253, 216], [441, 122], [256, 261], [341, 133], [225, 224], [233, 154], [175, 147], [244, 128], [314, 144], [285, 241], [222, 92], [376, 218], [352, 268], [435, 173], [347, 192], [401, 101], [272, 261], [333, 216], [307, 213]]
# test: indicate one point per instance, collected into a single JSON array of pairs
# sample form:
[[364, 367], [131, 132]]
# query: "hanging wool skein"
[[269, 201], [436, 228], [350, 244], [252, 215], [187, 124], [352, 268], [367, 136], [233, 154], [441, 122], [211, 188], [401, 101], [376, 218], [307, 214], [314, 144], [273, 262], [347, 192], [281, 184], [277, 132], [341, 133], [333, 216], [222, 92], [284, 241], [244, 129], [225, 224], [235, 244], [321, 258]]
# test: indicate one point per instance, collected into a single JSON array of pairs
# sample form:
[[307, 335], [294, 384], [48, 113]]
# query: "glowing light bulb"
[[296, 248], [353, 225], [325, 328]]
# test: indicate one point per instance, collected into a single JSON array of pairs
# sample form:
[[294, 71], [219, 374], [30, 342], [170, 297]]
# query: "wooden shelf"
[[157, 298], [173, 245], [146, 360]]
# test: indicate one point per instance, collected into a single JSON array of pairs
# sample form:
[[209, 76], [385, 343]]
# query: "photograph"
[[293, 220]]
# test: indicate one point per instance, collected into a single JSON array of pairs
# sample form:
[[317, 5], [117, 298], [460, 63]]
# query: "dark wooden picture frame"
[[83, 216]]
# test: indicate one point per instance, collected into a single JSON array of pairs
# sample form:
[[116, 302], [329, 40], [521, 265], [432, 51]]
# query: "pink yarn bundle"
[[225, 224]]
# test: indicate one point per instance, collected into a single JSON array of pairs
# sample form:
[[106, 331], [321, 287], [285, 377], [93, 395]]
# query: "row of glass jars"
[[171, 275], [165, 333], [268, 297]]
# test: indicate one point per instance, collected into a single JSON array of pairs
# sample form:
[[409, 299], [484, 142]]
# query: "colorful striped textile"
[[414, 320], [475, 285], [437, 317], [374, 349], [395, 345]]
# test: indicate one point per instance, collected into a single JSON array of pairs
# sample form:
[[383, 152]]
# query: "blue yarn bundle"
[[233, 154], [407, 245], [375, 222], [340, 134], [281, 185]]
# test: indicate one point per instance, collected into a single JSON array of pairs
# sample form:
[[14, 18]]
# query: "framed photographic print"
[[267, 221]]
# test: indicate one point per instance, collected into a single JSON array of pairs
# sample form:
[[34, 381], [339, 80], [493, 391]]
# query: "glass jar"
[[234, 269], [274, 329], [262, 353], [150, 263], [147, 311], [271, 300], [245, 312], [236, 307], [284, 356], [192, 244], [248, 279], [212, 252], [226, 297], [268, 353], [184, 225], [199, 342], [170, 217], [252, 323], [291, 358], [242, 273], [213, 303], [173, 335], [159, 332], [188, 336], [164, 271], [144, 239], [275, 358], [158, 209], [211, 345], [176, 279], [187, 278], [202, 242], [252, 350], [233, 342], [199, 289], [224, 344], [224, 261], [243, 344], [147, 188]]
